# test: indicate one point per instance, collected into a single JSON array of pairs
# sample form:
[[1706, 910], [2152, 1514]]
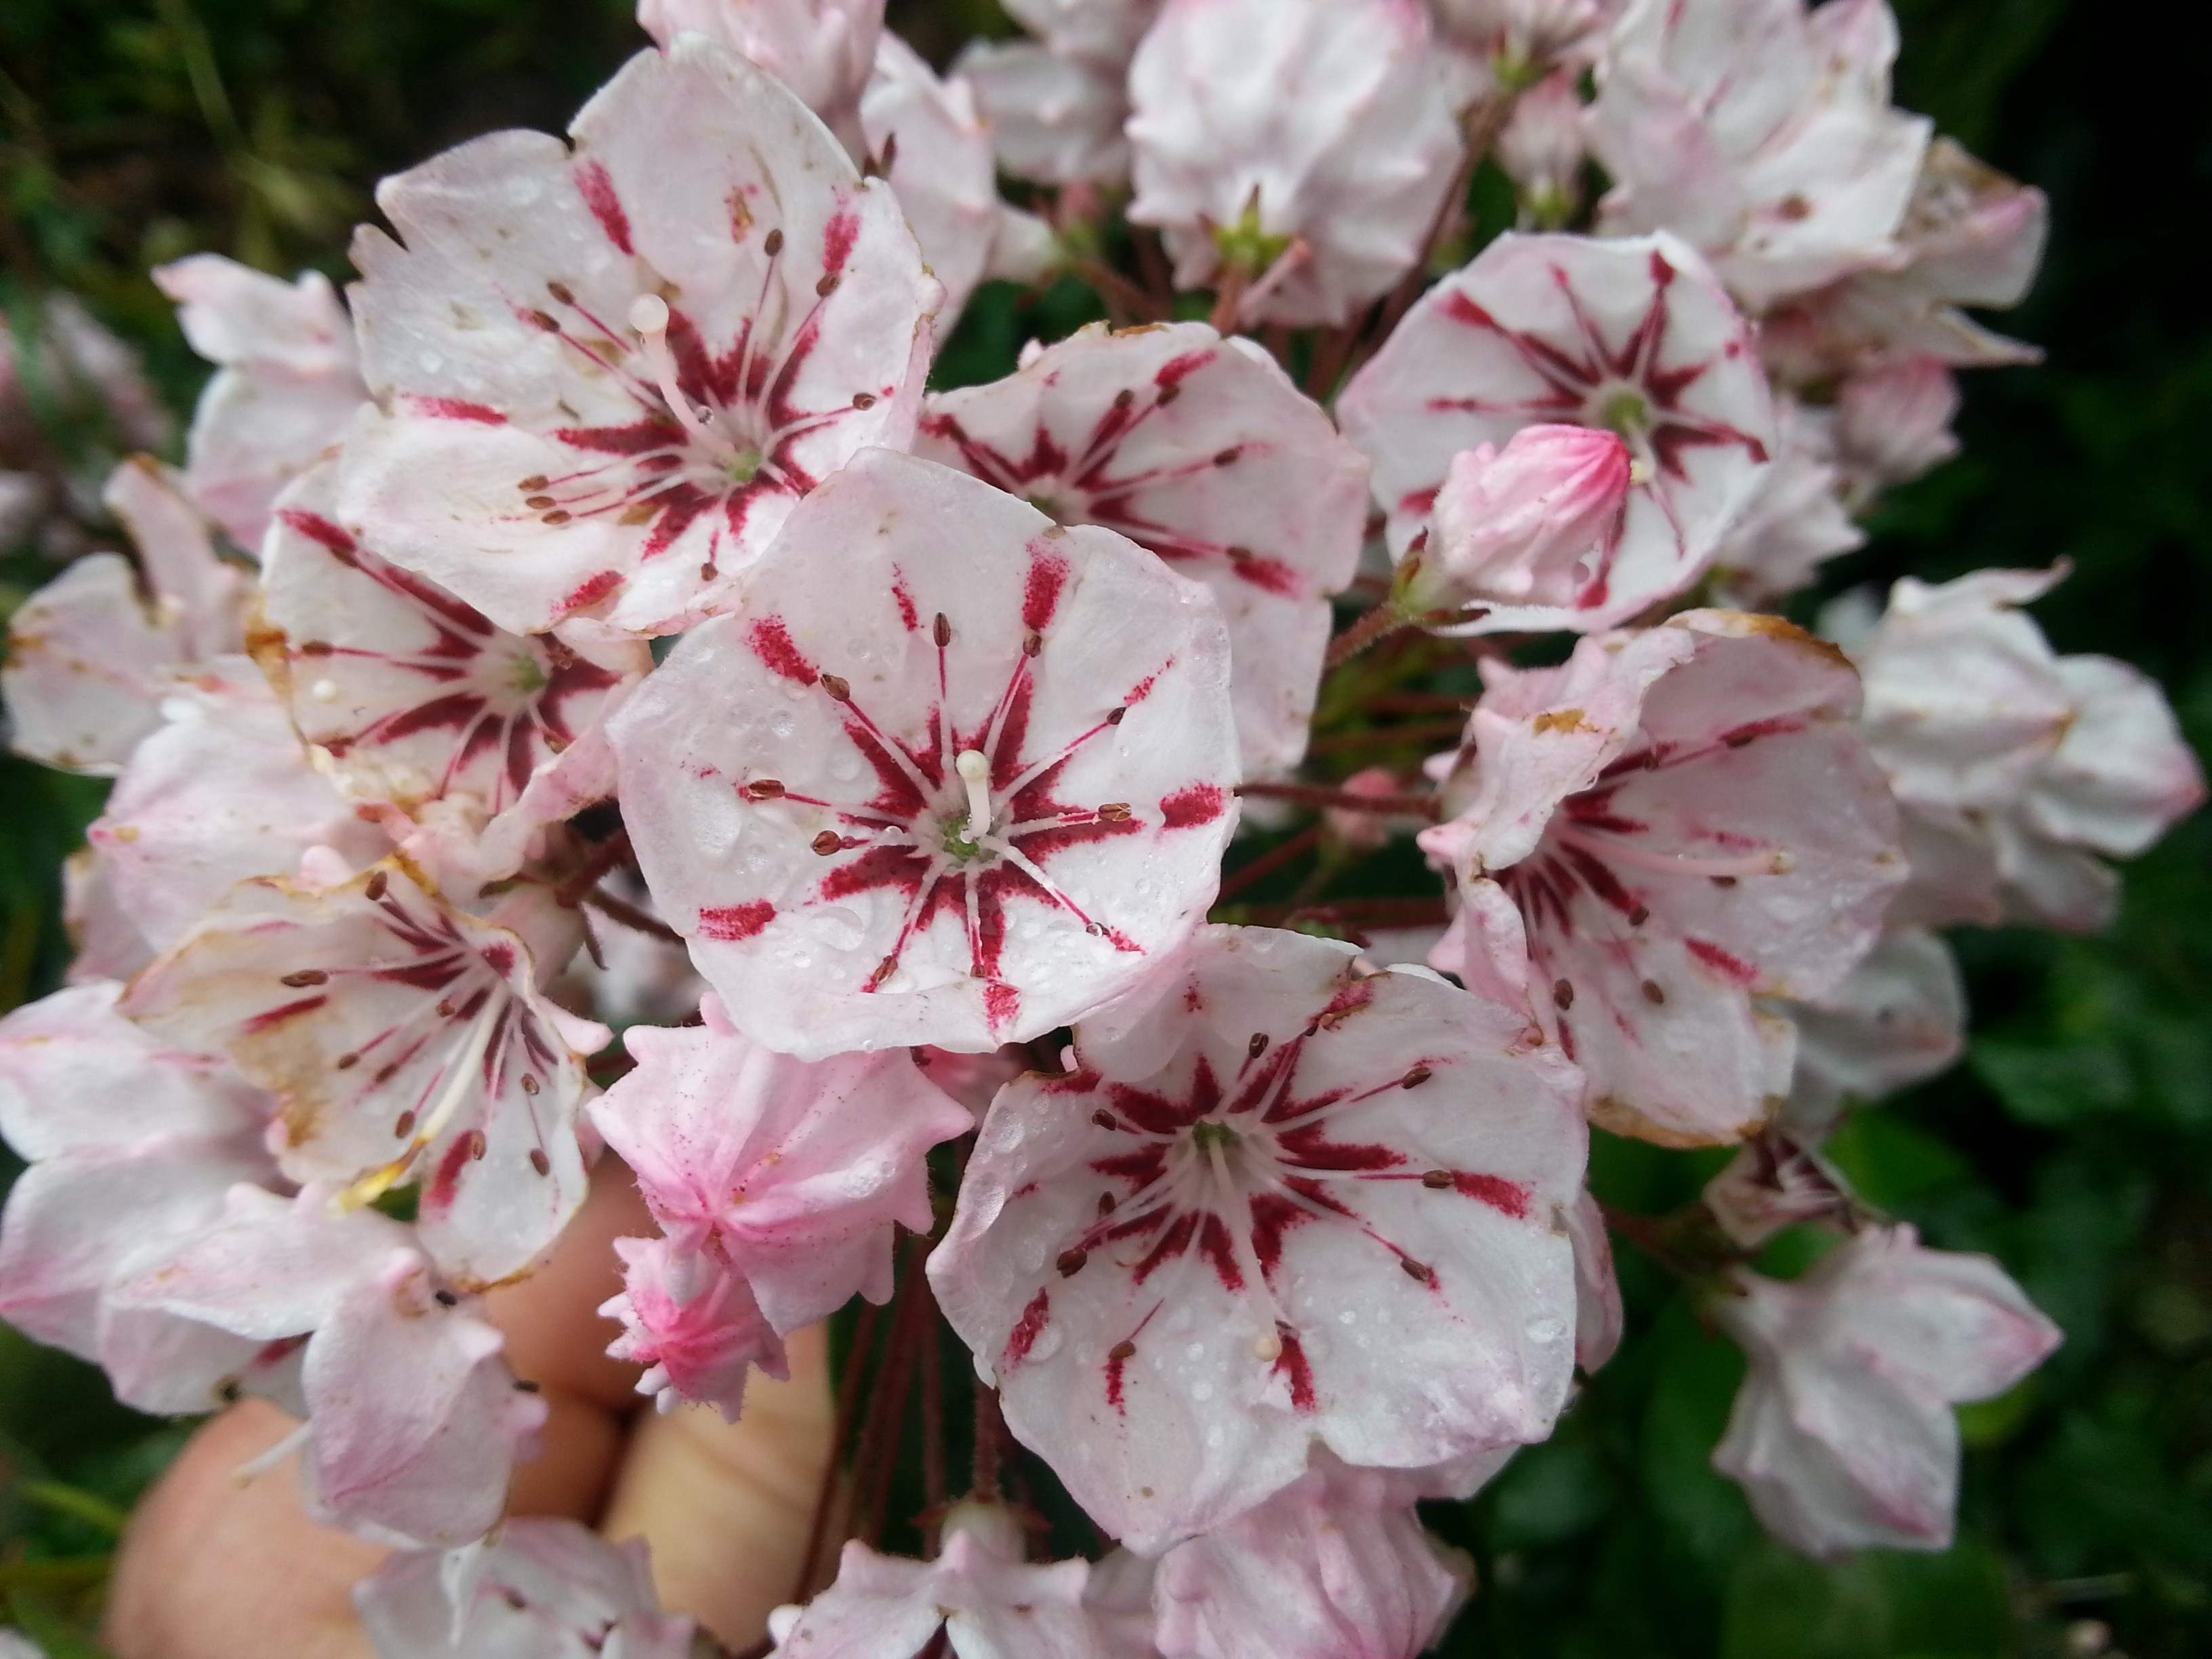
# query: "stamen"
[[1237, 1215], [1775, 861]]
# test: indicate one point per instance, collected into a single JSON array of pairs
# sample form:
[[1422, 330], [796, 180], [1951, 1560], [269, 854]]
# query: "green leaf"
[[2052, 1086]]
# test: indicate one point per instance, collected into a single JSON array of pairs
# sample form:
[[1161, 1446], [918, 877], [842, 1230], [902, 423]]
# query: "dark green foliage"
[[2075, 1143]]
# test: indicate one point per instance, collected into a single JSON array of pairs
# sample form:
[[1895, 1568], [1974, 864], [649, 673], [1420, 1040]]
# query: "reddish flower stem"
[[577, 888], [1268, 863], [990, 1444], [629, 915], [825, 1498], [1380, 737], [1374, 625]]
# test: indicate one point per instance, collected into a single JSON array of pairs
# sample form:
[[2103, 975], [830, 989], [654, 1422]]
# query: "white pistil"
[[975, 772], [648, 315], [254, 1467]]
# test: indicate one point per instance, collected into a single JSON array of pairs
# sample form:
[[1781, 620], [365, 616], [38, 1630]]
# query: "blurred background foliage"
[[2075, 1142]]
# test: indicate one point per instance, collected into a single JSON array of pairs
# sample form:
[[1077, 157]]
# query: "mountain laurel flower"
[[413, 1420], [1971, 237], [1689, 821], [979, 1597], [590, 407], [1301, 148], [1530, 524], [89, 659], [967, 774], [692, 1322], [1542, 148], [545, 1588], [407, 1041], [823, 49], [1893, 422], [1761, 132], [795, 1172], [412, 700], [287, 384], [1797, 518], [1633, 337], [1289, 1204], [2014, 767], [1334, 1567], [1843, 1436], [1200, 449]]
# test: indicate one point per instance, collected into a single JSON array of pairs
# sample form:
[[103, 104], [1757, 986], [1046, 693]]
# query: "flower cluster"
[[596, 621]]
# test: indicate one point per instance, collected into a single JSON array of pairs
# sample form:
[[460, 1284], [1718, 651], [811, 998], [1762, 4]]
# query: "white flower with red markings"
[[1292, 1203], [1299, 148], [1796, 518], [1056, 104], [1843, 1436], [407, 1043], [1761, 131], [413, 1420], [963, 775], [610, 373], [411, 698], [1202, 451], [978, 1598], [1899, 1018], [89, 659], [1528, 524], [794, 1172], [287, 384], [1687, 819], [1633, 337]]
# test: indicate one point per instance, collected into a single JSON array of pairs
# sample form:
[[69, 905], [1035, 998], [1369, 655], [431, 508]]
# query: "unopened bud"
[[1530, 523]]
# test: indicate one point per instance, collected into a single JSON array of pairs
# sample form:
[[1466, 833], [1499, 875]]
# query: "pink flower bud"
[[1532, 523]]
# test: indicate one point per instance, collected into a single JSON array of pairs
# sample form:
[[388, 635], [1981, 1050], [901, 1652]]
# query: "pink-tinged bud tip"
[[1534, 523]]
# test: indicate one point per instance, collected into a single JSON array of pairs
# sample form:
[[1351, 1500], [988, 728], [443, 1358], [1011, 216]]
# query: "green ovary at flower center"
[[1208, 1134], [743, 467], [1623, 409], [527, 675], [957, 840]]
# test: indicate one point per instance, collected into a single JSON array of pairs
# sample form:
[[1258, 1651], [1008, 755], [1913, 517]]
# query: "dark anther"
[[1415, 1078], [539, 1162], [229, 1391], [404, 1126], [1117, 716], [864, 400], [1436, 1180], [707, 572], [1563, 993], [562, 292], [1114, 811], [1124, 398], [347, 1062], [305, 976], [765, 789], [558, 515], [545, 322], [1226, 457], [529, 1084], [1257, 1046], [774, 242], [1723, 881], [1652, 992], [1105, 1203], [826, 842], [377, 884], [1169, 394], [1426, 1274], [447, 1299], [1104, 1119], [838, 689], [1032, 643], [1639, 915], [827, 286], [940, 629], [1122, 1351], [445, 1010], [1070, 1263], [476, 1144], [534, 482], [540, 503], [524, 1385]]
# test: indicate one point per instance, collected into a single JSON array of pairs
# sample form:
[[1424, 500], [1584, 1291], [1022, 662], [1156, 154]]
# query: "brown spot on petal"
[[305, 976], [476, 1144], [529, 1084], [445, 1298], [1723, 881]]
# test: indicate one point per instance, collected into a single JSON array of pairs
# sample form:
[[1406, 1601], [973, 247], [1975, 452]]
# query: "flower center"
[[1621, 408]]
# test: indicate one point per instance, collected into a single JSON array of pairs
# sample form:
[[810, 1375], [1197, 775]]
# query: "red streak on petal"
[[772, 644], [837, 241], [1029, 1326], [908, 614], [592, 591], [1000, 1001], [317, 528], [1293, 1367], [1721, 961], [1174, 373], [598, 190], [1048, 574], [729, 923], [454, 409], [440, 1196], [1509, 1197], [1201, 803], [275, 1017]]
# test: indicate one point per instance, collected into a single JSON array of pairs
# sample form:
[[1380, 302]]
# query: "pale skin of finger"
[[212, 1568], [727, 1506]]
